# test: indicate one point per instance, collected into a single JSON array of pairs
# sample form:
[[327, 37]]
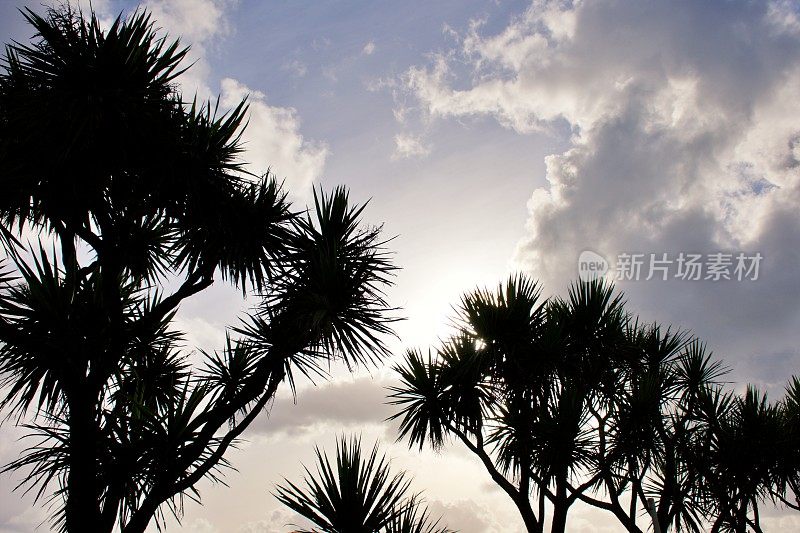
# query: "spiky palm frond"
[[6, 276], [468, 395], [150, 444], [643, 401], [52, 324], [422, 409], [510, 434], [562, 442], [278, 337], [67, 95], [331, 285], [128, 159], [229, 369], [37, 333], [506, 318], [673, 483], [786, 488], [635, 437], [508, 325], [151, 379], [650, 346], [596, 310], [240, 227], [356, 495], [734, 451], [696, 371], [45, 462], [593, 323], [787, 471]]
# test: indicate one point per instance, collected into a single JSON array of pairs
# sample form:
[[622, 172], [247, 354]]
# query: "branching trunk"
[[520, 499]]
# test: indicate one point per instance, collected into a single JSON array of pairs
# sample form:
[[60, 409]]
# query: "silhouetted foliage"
[[132, 187], [567, 400], [357, 495]]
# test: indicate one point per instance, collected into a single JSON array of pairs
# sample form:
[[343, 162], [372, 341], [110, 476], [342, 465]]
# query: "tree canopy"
[[132, 190], [575, 399]]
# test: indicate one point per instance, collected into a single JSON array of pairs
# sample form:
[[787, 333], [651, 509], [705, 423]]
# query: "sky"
[[493, 137]]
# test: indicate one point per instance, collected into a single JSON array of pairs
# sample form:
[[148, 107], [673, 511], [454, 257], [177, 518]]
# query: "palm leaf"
[[357, 494]]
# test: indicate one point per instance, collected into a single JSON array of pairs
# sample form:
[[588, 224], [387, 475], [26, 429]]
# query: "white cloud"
[[296, 68], [368, 49], [278, 521], [320, 43], [337, 404], [784, 16], [782, 523], [273, 139], [101, 8], [200, 334], [330, 73], [468, 516], [200, 525], [684, 136], [196, 23], [407, 145], [200, 24]]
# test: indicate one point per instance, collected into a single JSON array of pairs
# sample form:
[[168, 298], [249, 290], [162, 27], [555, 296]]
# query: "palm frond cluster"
[[574, 399], [135, 188], [357, 494]]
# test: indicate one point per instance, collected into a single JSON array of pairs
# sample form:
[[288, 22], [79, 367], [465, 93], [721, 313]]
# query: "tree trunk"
[[141, 518], [82, 511], [560, 508], [741, 517], [532, 525]]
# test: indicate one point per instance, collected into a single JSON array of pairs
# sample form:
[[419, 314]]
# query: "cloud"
[[344, 403], [782, 523], [200, 525], [29, 519], [684, 134], [296, 68], [200, 24], [273, 139], [465, 516], [368, 49], [278, 521], [330, 72], [407, 145]]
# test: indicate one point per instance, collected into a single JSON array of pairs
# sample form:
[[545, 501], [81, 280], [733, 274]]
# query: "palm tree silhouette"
[[787, 448], [357, 495], [517, 381], [135, 187], [567, 400]]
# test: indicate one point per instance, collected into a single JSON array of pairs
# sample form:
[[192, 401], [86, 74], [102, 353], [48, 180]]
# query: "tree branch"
[[478, 449]]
